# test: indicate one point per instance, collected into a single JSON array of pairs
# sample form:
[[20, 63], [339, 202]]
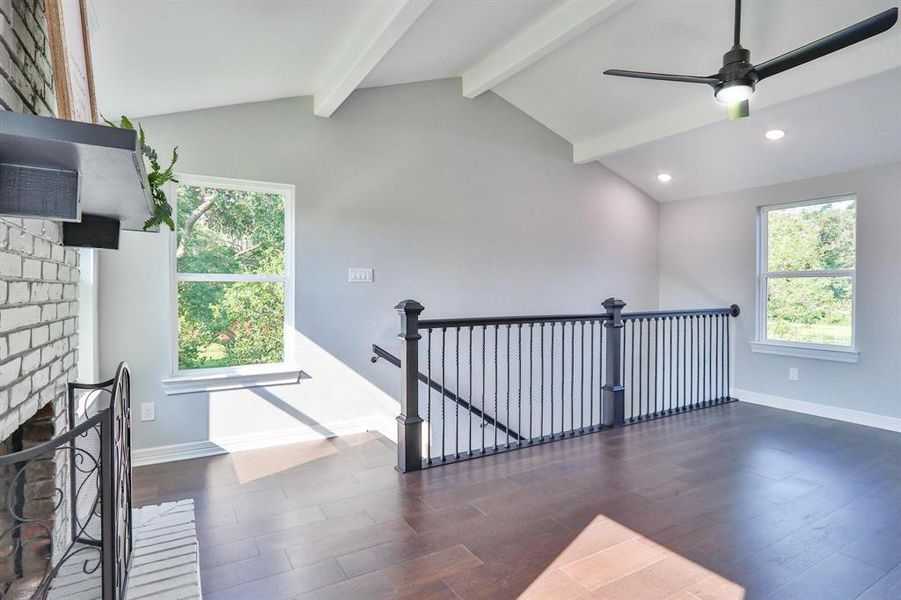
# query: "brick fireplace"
[[38, 304]]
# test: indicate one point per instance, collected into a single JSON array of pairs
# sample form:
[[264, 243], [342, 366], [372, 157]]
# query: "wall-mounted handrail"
[[379, 352]]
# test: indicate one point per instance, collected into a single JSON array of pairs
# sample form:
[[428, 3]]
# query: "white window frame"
[[182, 381], [801, 349]]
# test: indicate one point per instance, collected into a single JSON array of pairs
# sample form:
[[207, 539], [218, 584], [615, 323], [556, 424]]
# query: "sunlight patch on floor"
[[259, 464], [609, 560]]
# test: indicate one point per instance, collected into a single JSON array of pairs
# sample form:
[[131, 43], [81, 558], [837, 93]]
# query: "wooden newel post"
[[614, 409], [409, 423]]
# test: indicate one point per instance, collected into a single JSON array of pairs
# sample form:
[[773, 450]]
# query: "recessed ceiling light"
[[664, 177], [774, 134]]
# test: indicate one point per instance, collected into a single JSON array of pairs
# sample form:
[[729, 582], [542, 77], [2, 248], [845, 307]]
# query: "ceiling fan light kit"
[[734, 84]]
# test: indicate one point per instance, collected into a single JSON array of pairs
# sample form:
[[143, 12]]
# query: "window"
[[807, 274], [233, 284]]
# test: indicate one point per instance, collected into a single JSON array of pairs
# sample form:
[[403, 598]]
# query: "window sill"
[[846, 355], [231, 380]]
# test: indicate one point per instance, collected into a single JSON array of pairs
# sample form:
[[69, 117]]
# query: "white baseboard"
[[848, 415], [250, 441]]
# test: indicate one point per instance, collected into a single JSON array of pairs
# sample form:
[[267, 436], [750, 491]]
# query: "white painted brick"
[[71, 257], [10, 371], [69, 327], [55, 291], [21, 241], [62, 310], [4, 349], [48, 312], [4, 401], [19, 393], [40, 335], [18, 293], [40, 292], [57, 253], [19, 342], [56, 368], [31, 361], [41, 248], [8, 424], [49, 269], [10, 265], [3, 289], [70, 291], [40, 378], [68, 361], [23, 316], [56, 330], [31, 269]]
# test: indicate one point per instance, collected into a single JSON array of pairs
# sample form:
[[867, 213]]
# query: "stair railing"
[[473, 387]]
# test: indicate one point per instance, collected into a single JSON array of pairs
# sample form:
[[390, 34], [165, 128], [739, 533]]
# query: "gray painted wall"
[[707, 257], [468, 206]]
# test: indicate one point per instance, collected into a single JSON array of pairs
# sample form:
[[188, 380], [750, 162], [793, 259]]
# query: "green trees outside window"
[[230, 264], [809, 272]]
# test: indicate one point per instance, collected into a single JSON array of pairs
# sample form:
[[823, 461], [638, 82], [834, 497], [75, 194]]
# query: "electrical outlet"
[[793, 373], [148, 411], [359, 275]]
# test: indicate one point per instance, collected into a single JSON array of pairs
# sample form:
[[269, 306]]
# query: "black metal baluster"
[[562, 378], [471, 391], [672, 366], [428, 408], [632, 372], [484, 385], [640, 360], [691, 360], [507, 422], [656, 363], [572, 377], [519, 386], [591, 379], [728, 358], [497, 391], [684, 362], [457, 403], [716, 360], [553, 326], [531, 414], [582, 376], [648, 371], [706, 361], [443, 396], [541, 392]]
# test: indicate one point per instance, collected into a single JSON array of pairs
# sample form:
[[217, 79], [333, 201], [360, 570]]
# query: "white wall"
[[468, 206], [707, 257]]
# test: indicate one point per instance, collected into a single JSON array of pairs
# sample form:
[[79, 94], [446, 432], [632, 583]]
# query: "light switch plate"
[[148, 411], [359, 275]]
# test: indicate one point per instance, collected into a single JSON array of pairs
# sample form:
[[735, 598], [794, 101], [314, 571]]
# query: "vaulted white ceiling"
[[544, 57]]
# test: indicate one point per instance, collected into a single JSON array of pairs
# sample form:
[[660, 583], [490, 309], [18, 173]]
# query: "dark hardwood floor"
[[736, 501]]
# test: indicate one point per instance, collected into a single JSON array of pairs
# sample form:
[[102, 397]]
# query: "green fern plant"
[[157, 177]]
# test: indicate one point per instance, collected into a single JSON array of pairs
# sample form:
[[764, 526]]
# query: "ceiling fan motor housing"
[[737, 67]]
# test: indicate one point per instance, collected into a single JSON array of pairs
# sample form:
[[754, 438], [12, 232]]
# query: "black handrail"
[[379, 352], [509, 320], [654, 314]]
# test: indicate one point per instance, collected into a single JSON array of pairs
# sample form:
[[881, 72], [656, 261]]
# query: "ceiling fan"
[[734, 84]]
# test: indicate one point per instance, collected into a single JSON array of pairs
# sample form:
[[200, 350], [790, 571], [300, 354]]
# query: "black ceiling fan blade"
[[739, 110], [829, 44], [713, 81]]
